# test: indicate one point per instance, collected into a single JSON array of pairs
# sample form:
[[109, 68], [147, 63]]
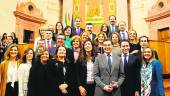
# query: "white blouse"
[[12, 73], [90, 76], [23, 75]]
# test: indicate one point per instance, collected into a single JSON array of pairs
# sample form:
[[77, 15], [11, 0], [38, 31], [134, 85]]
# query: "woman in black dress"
[[66, 73], [133, 41], [42, 81]]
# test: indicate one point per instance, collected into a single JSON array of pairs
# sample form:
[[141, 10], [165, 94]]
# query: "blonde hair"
[[136, 39], [7, 53], [88, 34], [96, 41]]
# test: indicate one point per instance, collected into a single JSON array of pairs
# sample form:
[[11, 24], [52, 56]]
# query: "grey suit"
[[103, 76]]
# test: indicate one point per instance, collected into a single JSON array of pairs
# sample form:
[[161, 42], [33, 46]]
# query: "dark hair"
[[83, 55], [108, 40], [124, 41], [143, 37], [13, 34], [89, 24], [66, 58], [119, 38], [3, 36], [111, 16], [66, 29], [101, 29], [24, 59], [56, 30]]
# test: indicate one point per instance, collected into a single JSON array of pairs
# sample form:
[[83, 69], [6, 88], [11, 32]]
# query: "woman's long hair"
[[24, 59], [66, 57], [144, 59], [83, 55], [7, 53]]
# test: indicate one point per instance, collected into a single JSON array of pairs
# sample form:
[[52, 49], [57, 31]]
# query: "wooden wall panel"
[[163, 50], [23, 47]]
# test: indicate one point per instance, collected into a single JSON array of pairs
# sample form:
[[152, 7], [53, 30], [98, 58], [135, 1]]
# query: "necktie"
[[109, 62], [113, 29], [48, 43], [125, 60], [123, 35], [78, 31]]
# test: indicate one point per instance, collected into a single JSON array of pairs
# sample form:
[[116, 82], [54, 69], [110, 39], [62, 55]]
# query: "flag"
[[65, 20], [68, 19], [72, 22]]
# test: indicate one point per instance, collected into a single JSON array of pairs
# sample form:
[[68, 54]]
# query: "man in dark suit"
[[77, 30], [122, 30], [112, 26], [108, 72], [89, 28], [131, 84]]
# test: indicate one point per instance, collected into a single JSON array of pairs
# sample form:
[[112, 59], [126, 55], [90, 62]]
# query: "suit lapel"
[[130, 59], [113, 62], [104, 59]]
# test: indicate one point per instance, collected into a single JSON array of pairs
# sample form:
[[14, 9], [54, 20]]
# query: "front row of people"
[[109, 74]]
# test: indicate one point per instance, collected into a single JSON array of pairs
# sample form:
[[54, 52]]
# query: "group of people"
[[74, 61]]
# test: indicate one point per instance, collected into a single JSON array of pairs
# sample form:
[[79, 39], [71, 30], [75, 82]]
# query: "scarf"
[[146, 78]]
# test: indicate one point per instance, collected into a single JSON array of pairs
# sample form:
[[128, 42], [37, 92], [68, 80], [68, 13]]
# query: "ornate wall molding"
[[24, 16]]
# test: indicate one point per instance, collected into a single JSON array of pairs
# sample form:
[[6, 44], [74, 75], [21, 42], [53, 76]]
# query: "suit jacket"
[[69, 78], [3, 76], [132, 74], [52, 43], [82, 72], [92, 37], [110, 31], [74, 31], [157, 88], [103, 76]]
